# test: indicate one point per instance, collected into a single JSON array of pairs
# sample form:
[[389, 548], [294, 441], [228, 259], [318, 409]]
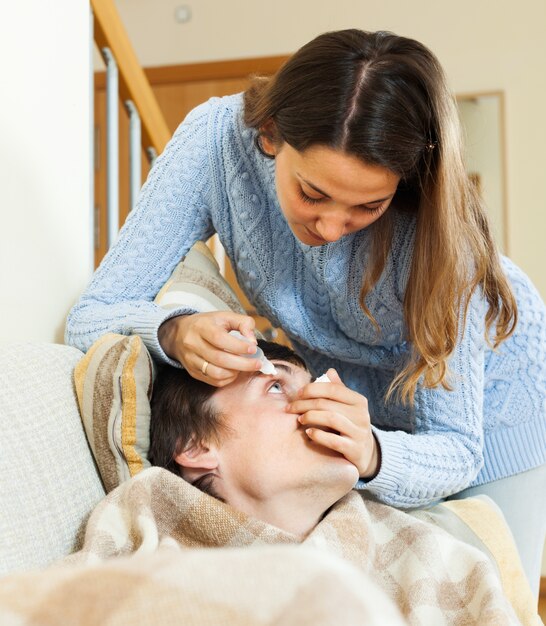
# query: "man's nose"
[[331, 227], [292, 393]]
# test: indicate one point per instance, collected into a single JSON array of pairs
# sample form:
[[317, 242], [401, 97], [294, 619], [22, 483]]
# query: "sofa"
[[49, 483]]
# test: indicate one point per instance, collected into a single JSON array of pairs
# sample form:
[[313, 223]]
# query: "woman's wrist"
[[375, 462], [167, 333]]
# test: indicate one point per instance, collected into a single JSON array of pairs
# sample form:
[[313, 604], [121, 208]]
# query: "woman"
[[339, 193]]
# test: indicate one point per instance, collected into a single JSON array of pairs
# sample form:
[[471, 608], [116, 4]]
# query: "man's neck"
[[295, 513]]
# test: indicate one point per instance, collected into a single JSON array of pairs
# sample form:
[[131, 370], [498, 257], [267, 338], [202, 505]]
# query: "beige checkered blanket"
[[364, 563]]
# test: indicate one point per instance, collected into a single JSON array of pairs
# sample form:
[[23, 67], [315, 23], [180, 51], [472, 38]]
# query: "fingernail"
[[308, 431], [288, 408], [251, 349]]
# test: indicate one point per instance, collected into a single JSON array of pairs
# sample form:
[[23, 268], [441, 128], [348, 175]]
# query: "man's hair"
[[182, 413]]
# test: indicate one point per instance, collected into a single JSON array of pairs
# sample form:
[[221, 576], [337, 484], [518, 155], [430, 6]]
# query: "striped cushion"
[[113, 386], [114, 379], [197, 283]]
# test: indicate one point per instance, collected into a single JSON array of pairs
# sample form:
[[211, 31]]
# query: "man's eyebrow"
[[287, 369], [327, 196]]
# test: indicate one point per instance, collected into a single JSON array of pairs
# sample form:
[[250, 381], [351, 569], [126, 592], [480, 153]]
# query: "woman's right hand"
[[201, 338]]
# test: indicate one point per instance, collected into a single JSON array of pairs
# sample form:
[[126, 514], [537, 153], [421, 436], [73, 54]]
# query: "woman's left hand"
[[326, 407]]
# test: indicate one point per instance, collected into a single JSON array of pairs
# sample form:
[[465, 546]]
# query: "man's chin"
[[332, 465], [337, 477]]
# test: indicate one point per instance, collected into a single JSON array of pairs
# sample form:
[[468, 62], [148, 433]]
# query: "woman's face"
[[325, 194]]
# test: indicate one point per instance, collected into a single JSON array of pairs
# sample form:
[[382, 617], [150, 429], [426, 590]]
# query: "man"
[[250, 443], [297, 544]]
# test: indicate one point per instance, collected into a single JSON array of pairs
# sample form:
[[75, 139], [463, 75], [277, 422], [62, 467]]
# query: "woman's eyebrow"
[[327, 196], [312, 186]]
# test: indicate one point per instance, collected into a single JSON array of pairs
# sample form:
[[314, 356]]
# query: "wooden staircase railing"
[[126, 83], [110, 33]]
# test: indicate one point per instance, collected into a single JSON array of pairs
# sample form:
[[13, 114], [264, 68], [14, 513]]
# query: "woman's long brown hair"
[[384, 99]]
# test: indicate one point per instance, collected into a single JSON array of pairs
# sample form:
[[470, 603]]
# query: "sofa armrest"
[[48, 479]]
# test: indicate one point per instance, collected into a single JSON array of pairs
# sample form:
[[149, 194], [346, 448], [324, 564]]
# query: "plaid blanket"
[[364, 563]]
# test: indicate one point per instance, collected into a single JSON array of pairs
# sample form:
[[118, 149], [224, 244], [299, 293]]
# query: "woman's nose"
[[331, 227]]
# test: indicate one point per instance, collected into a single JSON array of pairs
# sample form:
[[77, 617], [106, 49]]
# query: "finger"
[[333, 391], [202, 369], [337, 422], [247, 327], [243, 323], [223, 360], [338, 443], [324, 404], [219, 337], [333, 376], [215, 376]]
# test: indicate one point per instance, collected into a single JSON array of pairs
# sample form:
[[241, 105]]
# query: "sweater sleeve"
[[445, 452], [171, 214]]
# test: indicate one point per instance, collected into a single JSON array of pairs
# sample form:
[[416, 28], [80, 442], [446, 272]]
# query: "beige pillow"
[[114, 379]]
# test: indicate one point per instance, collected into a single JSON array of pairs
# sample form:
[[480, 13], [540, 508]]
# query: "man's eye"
[[276, 388]]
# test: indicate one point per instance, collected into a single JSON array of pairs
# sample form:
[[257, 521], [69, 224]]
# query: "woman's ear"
[[267, 134], [198, 456]]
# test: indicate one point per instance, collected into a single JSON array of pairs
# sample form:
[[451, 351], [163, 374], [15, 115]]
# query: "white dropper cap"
[[323, 379], [267, 367]]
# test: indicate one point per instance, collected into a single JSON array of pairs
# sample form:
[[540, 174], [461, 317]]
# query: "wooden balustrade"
[[133, 84]]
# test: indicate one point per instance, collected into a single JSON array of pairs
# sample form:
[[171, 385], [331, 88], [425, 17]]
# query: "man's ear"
[[198, 456]]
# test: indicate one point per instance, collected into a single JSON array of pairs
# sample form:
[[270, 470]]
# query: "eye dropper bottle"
[[267, 366], [323, 379]]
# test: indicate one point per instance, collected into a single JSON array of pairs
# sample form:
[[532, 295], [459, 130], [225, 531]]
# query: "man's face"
[[266, 454]]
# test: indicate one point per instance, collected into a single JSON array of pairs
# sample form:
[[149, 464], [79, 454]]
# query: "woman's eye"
[[374, 210], [307, 198], [276, 388]]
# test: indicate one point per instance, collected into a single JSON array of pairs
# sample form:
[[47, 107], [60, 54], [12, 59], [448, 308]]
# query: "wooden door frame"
[[214, 70]]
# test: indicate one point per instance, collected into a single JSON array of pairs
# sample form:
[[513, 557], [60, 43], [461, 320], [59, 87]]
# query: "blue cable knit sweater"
[[211, 178]]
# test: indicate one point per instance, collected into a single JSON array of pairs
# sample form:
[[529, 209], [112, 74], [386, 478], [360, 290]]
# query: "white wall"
[[486, 45], [45, 254]]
